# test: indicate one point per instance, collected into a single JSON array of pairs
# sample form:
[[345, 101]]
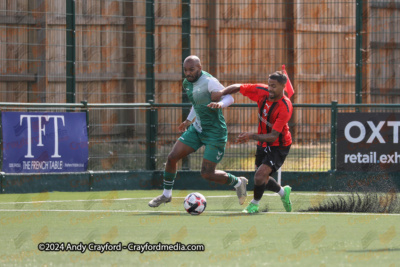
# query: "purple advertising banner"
[[44, 142], [368, 142]]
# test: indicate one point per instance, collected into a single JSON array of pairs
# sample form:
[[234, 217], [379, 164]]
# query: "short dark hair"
[[278, 76]]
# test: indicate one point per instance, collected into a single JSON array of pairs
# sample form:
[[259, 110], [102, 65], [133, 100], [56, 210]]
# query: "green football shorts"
[[214, 147]]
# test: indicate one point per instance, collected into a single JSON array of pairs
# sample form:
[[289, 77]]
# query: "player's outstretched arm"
[[231, 89], [226, 101]]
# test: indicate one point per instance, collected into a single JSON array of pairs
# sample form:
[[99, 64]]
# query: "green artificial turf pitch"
[[230, 238]]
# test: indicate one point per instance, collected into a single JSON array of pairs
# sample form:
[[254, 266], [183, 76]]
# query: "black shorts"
[[273, 156]]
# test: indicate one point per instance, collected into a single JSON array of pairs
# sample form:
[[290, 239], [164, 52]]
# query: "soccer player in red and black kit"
[[274, 138]]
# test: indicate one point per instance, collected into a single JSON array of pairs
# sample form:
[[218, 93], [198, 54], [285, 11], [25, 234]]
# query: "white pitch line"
[[147, 198], [101, 211], [212, 211]]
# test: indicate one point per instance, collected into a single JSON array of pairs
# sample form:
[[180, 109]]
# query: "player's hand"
[[182, 127], [214, 105], [243, 138], [216, 96]]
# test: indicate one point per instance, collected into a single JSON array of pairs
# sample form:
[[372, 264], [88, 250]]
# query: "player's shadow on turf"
[[157, 214], [374, 250], [233, 214]]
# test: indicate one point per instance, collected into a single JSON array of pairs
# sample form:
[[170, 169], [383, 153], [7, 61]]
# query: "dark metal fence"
[[138, 137]]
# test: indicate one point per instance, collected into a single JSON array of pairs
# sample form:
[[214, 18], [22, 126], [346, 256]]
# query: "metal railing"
[[139, 136]]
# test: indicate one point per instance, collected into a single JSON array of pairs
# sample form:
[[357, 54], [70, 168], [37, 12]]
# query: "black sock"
[[258, 191], [272, 185]]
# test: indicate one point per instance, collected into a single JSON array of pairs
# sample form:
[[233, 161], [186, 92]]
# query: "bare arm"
[[231, 89], [182, 127], [270, 137]]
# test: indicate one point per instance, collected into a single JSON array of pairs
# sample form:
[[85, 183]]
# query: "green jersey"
[[209, 121]]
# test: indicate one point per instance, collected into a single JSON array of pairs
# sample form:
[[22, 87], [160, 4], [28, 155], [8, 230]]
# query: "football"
[[195, 203]]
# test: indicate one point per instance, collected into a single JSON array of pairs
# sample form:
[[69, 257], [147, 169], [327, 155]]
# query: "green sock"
[[169, 180], [232, 179]]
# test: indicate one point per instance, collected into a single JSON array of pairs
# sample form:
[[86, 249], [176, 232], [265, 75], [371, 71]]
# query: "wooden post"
[[130, 43], [289, 32], [366, 53], [359, 77], [37, 90], [213, 29], [130, 73]]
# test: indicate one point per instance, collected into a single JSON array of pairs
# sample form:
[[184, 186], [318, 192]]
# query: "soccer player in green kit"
[[209, 129]]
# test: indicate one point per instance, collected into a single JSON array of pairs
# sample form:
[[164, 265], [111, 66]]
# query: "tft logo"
[[42, 131]]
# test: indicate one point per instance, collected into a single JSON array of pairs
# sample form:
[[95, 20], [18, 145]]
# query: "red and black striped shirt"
[[271, 115]]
